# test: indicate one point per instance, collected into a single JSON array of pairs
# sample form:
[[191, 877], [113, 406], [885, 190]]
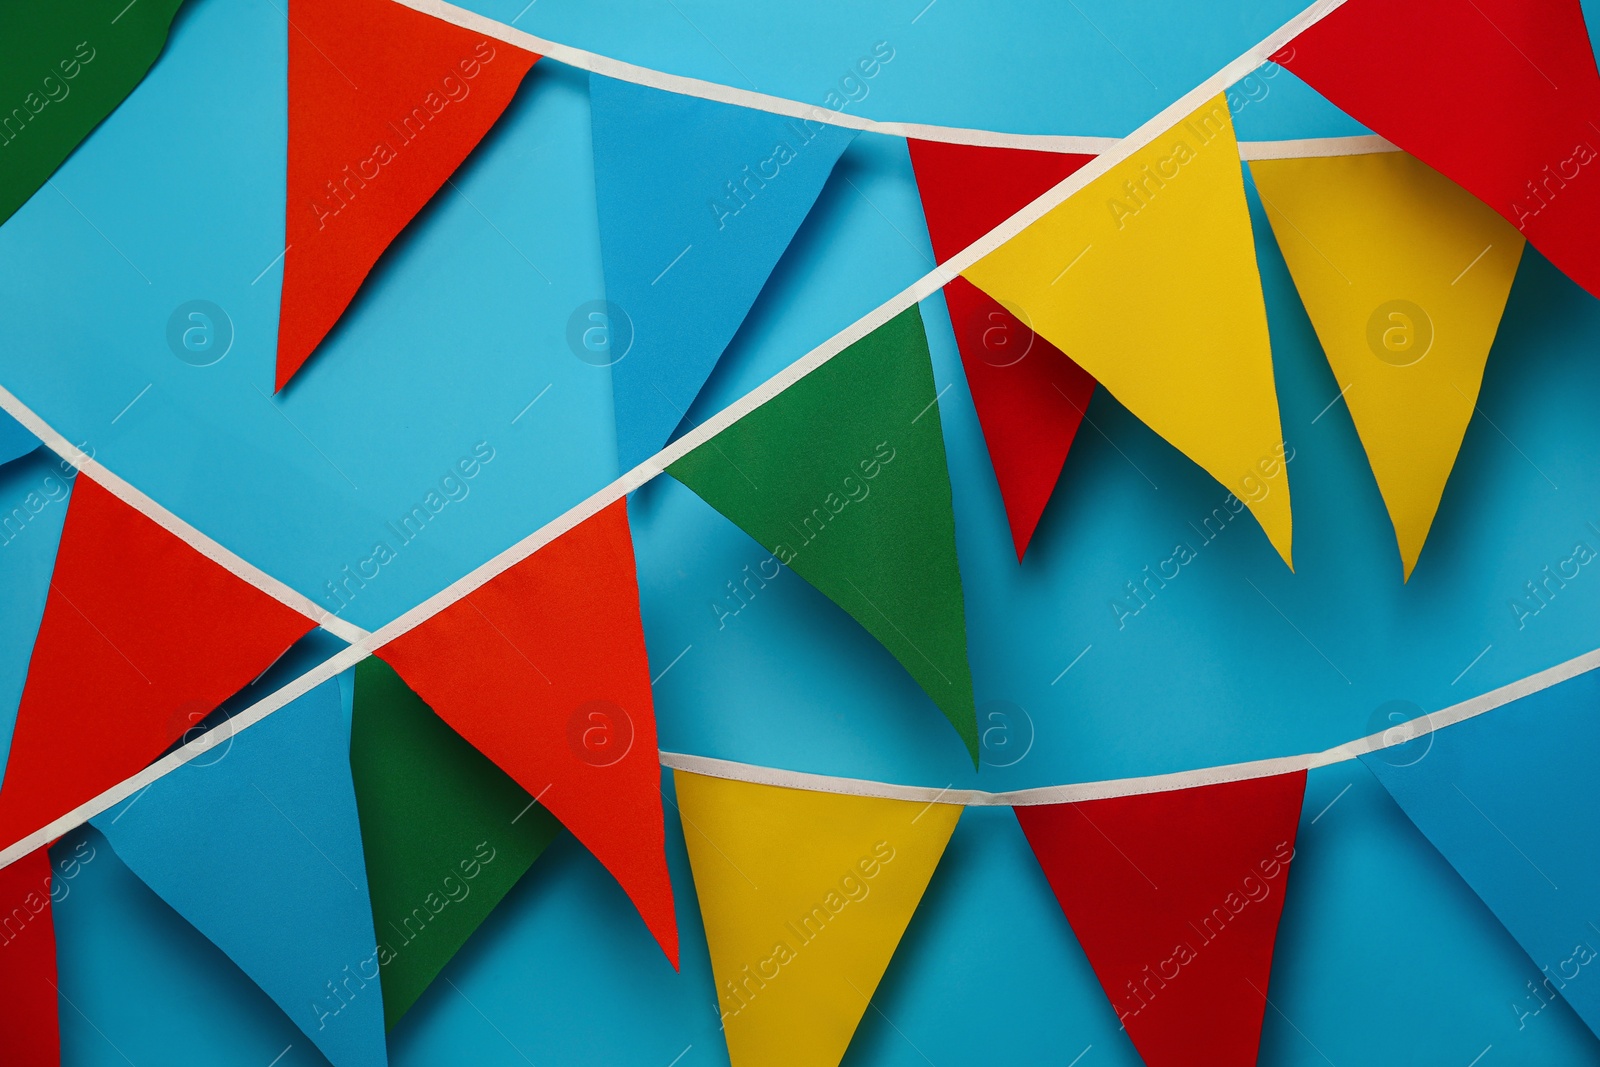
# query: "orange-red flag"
[[384, 104], [543, 669], [29, 1002], [140, 634]]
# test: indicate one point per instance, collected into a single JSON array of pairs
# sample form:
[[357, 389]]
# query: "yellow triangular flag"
[[1404, 275], [805, 896], [1147, 278]]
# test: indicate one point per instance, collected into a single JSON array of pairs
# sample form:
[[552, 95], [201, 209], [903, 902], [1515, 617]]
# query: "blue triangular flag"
[[15, 441], [257, 844], [1508, 799], [697, 202]]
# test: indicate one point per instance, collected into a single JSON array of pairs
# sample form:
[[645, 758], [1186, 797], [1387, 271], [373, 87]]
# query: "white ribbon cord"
[[745, 772], [1155, 783], [1314, 147], [364, 643], [777, 105]]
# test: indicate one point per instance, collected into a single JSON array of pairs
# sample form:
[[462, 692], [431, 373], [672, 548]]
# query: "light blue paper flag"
[[697, 202], [257, 844], [1508, 798], [15, 441]]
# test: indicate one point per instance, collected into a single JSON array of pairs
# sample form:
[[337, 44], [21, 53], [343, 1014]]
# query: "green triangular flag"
[[842, 477], [63, 68], [446, 832]]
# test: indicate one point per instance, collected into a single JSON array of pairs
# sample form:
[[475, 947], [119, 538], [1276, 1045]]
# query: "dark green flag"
[[446, 832], [64, 66], [842, 477]]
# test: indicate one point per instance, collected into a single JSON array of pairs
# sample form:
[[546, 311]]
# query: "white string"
[[1155, 783], [777, 105], [1310, 147], [745, 772]]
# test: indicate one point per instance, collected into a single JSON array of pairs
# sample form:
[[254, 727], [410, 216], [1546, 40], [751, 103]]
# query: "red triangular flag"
[[28, 997], [543, 669], [384, 104], [1175, 898], [1500, 96], [1030, 398], [140, 633]]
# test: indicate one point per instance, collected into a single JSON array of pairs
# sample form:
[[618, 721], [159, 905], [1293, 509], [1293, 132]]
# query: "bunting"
[[1147, 277], [384, 104], [697, 202], [805, 896], [260, 851], [342, 854], [140, 631], [842, 478], [1507, 798], [1175, 898], [543, 670], [1029, 396], [64, 68], [1500, 96], [446, 832], [28, 998], [1405, 276]]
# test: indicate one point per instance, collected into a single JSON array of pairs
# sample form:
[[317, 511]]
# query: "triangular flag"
[[1175, 898], [1500, 96], [543, 669], [1405, 275], [697, 202], [63, 69], [446, 832], [140, 631], [384, 104], [842, 477], [260, 850], [1030, 398], [804, 896], [15, 440], [1147, 278], [1508, 798], [28, 997]]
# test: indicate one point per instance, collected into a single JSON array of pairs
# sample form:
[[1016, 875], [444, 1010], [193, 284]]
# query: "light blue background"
[[1385, 957]]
